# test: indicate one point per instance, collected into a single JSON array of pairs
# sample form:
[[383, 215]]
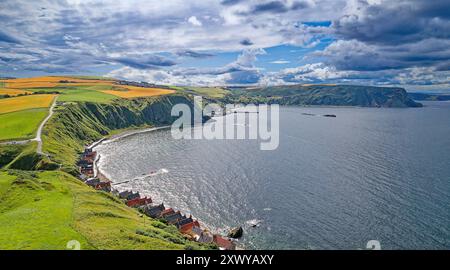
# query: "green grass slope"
[[21, 125], [45, 210], [87, 93], [209, 92]]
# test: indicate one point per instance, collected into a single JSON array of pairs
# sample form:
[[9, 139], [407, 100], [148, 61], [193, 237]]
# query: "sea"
[[339, 182]]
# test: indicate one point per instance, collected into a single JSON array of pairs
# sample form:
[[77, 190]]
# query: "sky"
[[231, 42]]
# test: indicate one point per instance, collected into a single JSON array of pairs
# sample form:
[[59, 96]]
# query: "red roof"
[[222, 242], [139, 201], [102, 185], [168, 211], [186, 228]]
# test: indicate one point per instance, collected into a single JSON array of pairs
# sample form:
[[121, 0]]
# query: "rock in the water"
[[236, 232]]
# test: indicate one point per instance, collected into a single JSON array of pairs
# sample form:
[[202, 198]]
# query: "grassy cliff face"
[[329, 95], [45, 210], [24, 157], [75, 125]]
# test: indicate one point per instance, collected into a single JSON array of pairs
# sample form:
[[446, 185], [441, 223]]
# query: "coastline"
[[127, 133], [104, 177], [124, 134]]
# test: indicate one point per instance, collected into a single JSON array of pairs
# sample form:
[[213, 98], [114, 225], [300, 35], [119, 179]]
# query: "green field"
[[36, 212], [20, 125], [85, 95], [45, 210], [79, 93], [84, 77], [213, 92]]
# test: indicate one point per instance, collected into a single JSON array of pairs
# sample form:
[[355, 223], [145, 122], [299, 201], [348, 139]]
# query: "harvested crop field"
[[134, 91], [13, 92], [25, 102], [22, 83]]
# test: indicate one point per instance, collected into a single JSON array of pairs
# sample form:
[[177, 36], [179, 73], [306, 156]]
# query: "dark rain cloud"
[[8, 38], [246, 42], [359, 56], [278, 6], [145, 61], [231, 2], [194, 54], [396, 22]]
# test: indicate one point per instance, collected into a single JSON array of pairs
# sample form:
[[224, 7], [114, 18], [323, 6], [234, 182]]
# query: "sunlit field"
[[12, 92], [21, 124], [133, 91], [25, 102]]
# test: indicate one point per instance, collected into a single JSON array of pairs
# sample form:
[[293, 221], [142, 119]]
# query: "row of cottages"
[[99, 185], [86, 166], [132, 199], [86, 163], [187, 226]]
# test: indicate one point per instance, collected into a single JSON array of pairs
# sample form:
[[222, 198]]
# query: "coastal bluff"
[[324, 95]]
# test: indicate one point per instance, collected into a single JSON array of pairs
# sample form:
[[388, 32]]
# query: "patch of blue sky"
[[318, 23], [276, 58], [288, 56]]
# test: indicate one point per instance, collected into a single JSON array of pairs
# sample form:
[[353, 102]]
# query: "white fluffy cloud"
[[375, 41], [194, 21], [239, 72]]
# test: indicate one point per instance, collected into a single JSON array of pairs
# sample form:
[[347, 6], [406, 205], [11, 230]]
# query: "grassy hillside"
[[21, 125], [24, 157], [211, 92], [10, 152], [45, 210]]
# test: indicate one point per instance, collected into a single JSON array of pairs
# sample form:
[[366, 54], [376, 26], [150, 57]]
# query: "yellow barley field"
[[50, 81], [14, 104], [12, 92], [105, 86], [134, 91], [22, 85]]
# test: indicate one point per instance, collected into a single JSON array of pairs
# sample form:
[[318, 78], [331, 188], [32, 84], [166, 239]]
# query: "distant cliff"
[[429, 97], [328, 95]]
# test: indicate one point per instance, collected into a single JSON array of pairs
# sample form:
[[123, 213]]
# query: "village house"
[[133, 196], [92, 182], [139, 202], [206, 237], [168, 211], [184, 221], [174, 218], [154, 211], [87, 171], [83, 163], [104, 186], [193, 229], [222, 243], [124, 194]]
